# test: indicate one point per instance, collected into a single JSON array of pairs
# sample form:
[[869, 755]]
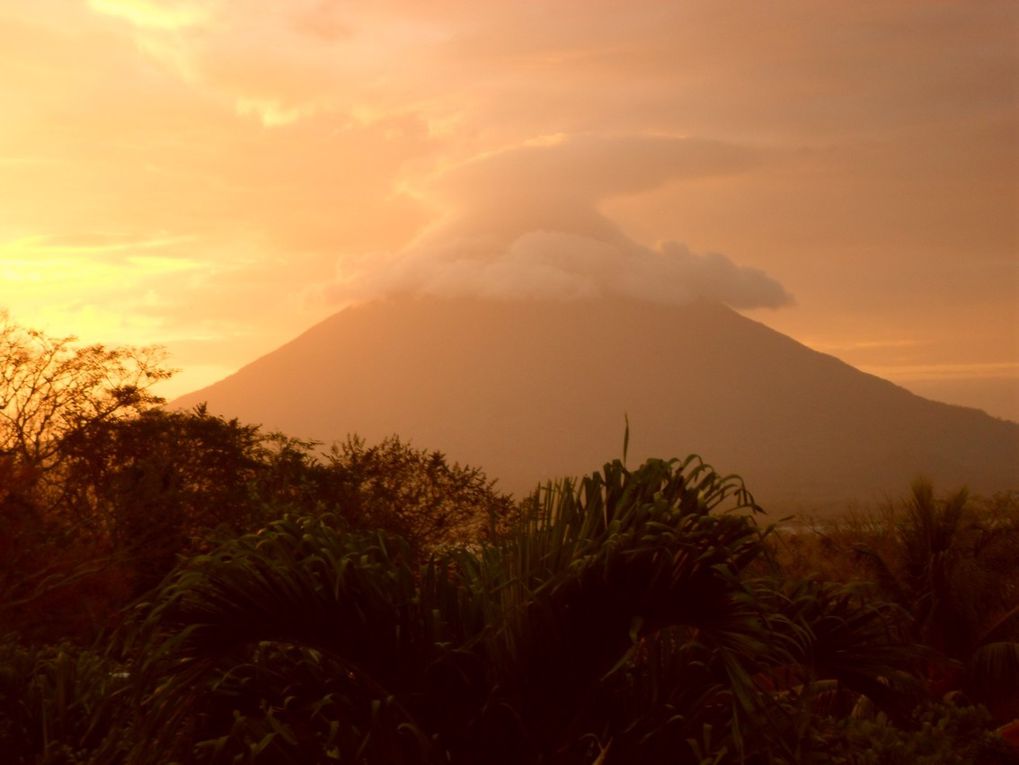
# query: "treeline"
[[177, 587]]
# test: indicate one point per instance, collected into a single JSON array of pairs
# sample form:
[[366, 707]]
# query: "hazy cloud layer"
[[553, 265], [525, 223]]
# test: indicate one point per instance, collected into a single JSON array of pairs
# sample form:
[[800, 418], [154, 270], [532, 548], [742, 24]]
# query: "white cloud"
[[525, 223]]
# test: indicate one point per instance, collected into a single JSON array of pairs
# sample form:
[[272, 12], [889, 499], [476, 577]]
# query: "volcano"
[[531, 390]]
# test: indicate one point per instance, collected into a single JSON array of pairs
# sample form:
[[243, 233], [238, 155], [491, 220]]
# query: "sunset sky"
[[217, 175]]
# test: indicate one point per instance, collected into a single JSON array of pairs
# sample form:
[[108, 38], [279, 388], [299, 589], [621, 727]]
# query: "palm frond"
[[993, 671]]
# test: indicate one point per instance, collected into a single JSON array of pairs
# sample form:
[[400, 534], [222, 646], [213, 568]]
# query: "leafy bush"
[[950, 564], [618, 620], [57, 703], [941, 733], [413, 493]]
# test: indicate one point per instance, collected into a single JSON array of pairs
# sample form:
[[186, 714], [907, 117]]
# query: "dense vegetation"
[[176, 587]]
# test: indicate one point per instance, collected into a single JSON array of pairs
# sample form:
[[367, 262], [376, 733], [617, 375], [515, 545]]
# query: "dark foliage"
[[950, 564], [616, 621], [414, 493], [248, 599]]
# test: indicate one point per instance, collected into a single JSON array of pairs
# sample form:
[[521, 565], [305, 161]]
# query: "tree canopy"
[[51, 388]]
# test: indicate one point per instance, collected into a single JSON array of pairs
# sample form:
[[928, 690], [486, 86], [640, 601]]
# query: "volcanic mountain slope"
[[531, 390]]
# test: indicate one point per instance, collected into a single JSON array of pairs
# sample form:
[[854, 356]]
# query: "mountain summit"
[[530, 390]]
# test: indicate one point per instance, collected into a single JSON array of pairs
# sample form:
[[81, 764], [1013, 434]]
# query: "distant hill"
[[530, 390]]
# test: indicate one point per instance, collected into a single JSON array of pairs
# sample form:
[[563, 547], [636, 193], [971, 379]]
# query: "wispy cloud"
[[835, 346], [47, 245], [164, 15], [965, 371]]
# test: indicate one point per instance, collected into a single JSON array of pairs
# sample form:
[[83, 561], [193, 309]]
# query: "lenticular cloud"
[[525, 224]]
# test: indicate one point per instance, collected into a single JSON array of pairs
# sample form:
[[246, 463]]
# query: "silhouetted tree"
[[155, 484], [52, 388], [414, 493]]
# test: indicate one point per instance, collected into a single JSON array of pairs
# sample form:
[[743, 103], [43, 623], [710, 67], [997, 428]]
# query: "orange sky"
[[217, 175]]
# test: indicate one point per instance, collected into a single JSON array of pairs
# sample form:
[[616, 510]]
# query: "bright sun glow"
[[154, 15], [98, 292]]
